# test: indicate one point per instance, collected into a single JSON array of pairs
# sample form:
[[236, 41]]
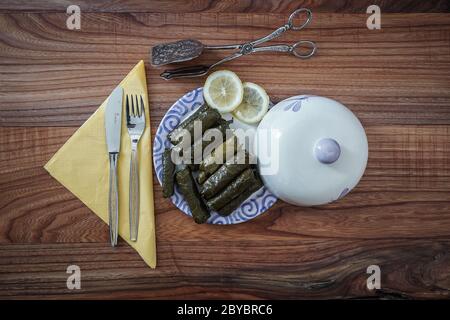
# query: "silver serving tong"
[[185, 50]]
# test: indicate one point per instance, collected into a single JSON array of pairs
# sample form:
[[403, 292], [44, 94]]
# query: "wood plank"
[[405, 193], [306, 268], [229, 6], [52, 76]]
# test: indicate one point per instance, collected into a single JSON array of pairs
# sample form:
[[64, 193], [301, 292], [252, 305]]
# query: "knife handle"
[[134, 194], [113, 201]]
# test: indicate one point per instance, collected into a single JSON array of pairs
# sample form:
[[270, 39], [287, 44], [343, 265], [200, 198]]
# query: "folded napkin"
[[82, 166]]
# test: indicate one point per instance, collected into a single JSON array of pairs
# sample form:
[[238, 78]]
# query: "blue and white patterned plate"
[[255, 205]]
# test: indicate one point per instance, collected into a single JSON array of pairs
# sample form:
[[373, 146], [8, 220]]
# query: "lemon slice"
[[223, 91], [254, 105]]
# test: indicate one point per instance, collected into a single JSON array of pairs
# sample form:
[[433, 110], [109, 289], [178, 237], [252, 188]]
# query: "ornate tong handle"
[[288, 26], [295, 49]]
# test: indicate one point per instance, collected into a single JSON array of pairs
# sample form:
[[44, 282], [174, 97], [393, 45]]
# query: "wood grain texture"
[[312, 268], [396, 80], [398, 217], [228, 6], [53, 76]]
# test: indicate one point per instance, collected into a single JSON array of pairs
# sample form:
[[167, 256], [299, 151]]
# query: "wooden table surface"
[[396, 80]]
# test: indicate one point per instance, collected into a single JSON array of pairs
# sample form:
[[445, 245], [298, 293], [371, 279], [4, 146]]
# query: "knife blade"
[[113, 126], [113, 120]]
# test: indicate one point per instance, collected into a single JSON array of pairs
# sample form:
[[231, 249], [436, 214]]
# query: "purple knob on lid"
[[327, 150]]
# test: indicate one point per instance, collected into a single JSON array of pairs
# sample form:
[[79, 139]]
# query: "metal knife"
[[113, 126]]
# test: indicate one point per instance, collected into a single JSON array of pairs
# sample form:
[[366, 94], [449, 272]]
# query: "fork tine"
[[136, 106], [133, 107], [139, 106], [127, 108], [142, 106]]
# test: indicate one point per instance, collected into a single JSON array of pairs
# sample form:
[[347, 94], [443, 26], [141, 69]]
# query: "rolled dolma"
[[224, 175], [202, 176], [193, 167], [201, 144], [236, 202], [168, 174], [212, 162], [190, 193], [207, 118], [233, 190], [177, 133]]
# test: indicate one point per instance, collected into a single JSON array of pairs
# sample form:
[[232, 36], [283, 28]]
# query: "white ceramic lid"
[[311, 150]]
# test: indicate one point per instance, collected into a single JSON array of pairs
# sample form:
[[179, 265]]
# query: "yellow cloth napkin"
[[82, 166]]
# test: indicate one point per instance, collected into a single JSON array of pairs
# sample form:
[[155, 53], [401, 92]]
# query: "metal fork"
[[136, 125]]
